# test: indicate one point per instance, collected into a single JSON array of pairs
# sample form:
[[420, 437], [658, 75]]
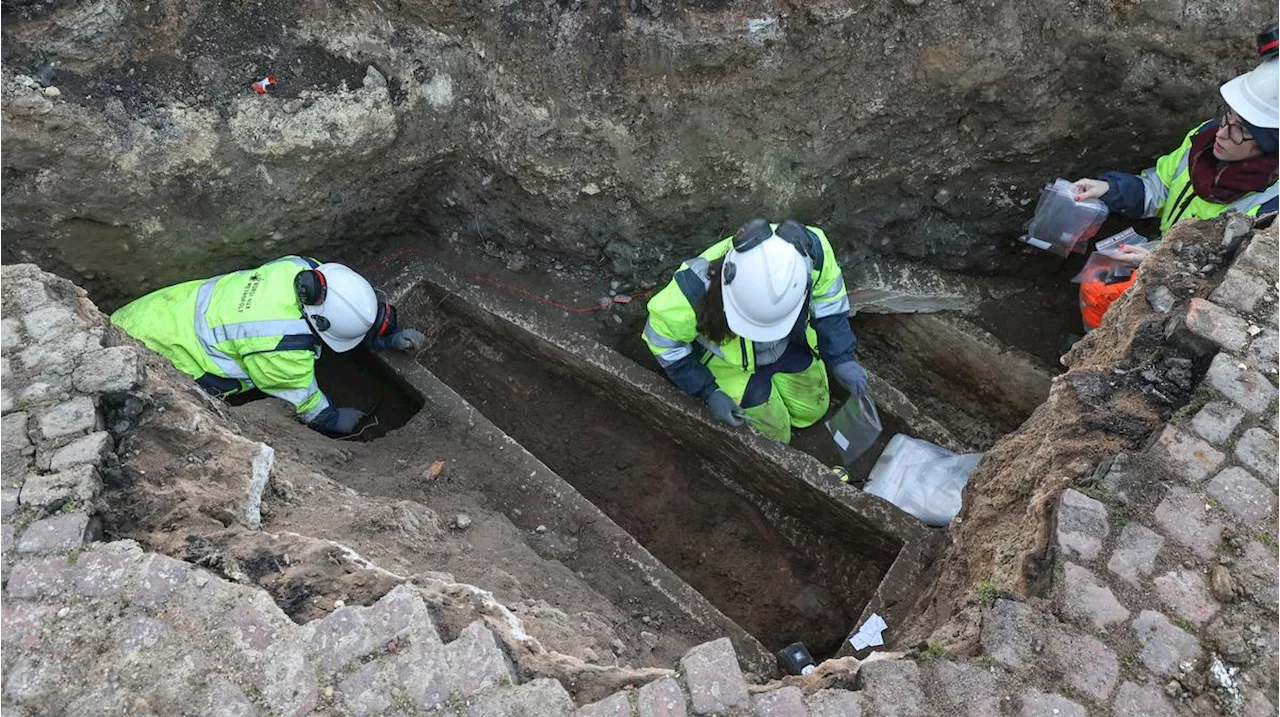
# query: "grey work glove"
[[852, 376], [725, 410], [348, 419], [408, 340]]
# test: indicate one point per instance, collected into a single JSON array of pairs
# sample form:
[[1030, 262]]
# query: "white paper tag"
[[870, 634], [841, 440]]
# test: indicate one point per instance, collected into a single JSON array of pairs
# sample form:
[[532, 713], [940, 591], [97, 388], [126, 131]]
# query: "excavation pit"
[[765, 533], [358, 379]]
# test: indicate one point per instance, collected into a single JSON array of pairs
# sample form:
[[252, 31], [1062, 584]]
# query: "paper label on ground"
[[870, 634]]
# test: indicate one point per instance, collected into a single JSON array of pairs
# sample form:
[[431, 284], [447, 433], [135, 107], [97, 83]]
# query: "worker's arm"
[[1127, 193], [291, 376], [829, 308], [670, 331], [1143, 196], [394, 337]]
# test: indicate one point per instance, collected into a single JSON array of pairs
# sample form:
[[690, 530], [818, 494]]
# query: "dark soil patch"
[[359, 379], [664, 491], [1041, 319]]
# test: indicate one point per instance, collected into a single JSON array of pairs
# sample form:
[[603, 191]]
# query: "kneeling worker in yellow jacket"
[[263, 328], [747, 326]]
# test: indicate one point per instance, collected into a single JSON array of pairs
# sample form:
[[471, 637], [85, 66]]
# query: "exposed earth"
[[533, 521]]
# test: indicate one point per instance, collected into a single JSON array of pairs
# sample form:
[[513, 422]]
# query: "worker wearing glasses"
[[1226, 163]]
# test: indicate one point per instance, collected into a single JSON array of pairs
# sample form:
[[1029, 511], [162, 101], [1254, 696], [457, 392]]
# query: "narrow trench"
[[358, 379], [775, 574], [778, 573]]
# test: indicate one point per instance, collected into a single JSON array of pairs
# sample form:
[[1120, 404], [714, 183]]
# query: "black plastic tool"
[[794, 659]]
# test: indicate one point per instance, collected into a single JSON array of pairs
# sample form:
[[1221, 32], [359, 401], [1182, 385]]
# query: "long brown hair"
[[712, 322]]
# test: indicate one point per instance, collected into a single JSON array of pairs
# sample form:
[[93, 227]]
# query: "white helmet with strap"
[[765, 280], [338, 303]]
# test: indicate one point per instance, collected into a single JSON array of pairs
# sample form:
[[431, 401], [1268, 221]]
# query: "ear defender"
[[384, 324], [796, 235], [752, 234], [310, 287]]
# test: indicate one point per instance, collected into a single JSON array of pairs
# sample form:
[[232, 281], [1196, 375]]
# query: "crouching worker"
[[263, 328], [748, 326]]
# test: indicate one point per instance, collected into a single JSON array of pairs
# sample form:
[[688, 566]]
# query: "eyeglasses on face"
[[1235, 130]]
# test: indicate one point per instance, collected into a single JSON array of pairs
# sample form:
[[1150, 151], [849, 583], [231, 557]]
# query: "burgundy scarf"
[[1224, 182]]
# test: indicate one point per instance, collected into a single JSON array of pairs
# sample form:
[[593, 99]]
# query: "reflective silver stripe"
[[659, 340], [1154, 191], [302, 263], [670, 356], [710, 346], [839, 306], [673, 350], [299, 396], [310, 416], [229, 367], [1247, 203], [835, 289], [259, 329], [701, 267]]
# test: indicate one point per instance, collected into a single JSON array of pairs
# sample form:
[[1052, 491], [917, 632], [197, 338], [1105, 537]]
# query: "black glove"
[[725, 410], [348, 419]]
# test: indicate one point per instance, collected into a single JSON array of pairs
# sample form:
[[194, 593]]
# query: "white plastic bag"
[[922, 479]]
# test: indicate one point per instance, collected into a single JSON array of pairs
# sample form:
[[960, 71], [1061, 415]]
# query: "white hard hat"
[[764, 289], [346, 310], [1253, 95]]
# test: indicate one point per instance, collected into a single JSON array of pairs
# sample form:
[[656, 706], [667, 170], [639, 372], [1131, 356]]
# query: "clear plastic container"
[[922, 479], [855, 427], [1061, 225], [1104, 263], [1111, 245]]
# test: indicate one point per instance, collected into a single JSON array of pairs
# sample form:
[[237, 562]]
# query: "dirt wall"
[[620, 134]]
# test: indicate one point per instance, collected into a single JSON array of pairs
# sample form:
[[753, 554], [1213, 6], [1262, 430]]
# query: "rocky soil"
[[614, 136], [1140, 369]]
